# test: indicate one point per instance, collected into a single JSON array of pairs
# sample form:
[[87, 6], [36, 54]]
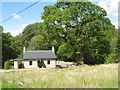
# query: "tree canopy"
[[11, 47], [82, 28], [34, 37]]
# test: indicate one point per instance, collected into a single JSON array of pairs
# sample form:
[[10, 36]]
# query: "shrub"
[[12, 63], [7, 65], [19, 64], [110, 58]]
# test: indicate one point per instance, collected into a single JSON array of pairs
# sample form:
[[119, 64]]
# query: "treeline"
[[79, 31]]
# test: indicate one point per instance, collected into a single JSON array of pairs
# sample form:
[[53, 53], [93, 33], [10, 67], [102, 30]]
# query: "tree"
[[11, 48], [1, 30], [118, 44], [81, 29], [7, 65], [33, 37], [38, 43], [18, 46], [6, 46]]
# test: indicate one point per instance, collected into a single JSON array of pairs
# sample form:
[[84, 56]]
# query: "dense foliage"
[[11, 47], [33, 37], [80, 31], [83, 29], [7, 65], [1, 29]]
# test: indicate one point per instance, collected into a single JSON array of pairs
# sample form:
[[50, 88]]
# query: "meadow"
[[83, 76]]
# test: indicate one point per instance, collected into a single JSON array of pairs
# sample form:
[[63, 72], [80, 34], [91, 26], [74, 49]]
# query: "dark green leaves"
[[86, 30]]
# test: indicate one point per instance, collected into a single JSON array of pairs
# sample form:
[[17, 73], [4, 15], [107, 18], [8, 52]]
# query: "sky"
[[17, 24]]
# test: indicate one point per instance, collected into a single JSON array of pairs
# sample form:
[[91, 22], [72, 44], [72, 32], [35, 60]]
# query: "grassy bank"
[[99, 76]]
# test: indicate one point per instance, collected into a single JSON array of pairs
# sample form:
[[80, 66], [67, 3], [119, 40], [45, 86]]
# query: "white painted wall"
[[34, 64], [15, 65], [51, 65]]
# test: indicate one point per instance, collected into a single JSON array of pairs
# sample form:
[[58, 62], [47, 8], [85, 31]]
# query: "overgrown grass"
[[99, 76]]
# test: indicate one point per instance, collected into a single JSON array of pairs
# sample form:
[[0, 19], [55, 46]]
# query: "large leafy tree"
[[7, 50], [34, 37], [18, 46], [11, 47], [81, 29]]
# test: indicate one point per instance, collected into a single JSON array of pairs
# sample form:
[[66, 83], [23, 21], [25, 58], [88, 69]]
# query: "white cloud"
[[17, 16], [111, 6], [17, 31], [116, 24], [22, 26], [103, 4], [13, 32]]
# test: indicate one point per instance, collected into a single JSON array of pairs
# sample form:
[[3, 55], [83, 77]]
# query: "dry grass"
[[99, 76]]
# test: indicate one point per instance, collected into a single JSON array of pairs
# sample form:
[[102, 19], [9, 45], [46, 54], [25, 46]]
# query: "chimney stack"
[[53, 48], [23, 49]]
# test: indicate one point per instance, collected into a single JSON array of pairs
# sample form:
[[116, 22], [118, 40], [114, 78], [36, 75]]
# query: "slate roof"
[[39, 54]]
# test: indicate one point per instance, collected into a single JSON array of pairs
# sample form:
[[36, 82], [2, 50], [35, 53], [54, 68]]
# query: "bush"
[[7, 65], [19, 64], [110, 58]]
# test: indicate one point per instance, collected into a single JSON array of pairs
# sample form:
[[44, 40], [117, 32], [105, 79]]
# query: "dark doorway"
[[41, 64]]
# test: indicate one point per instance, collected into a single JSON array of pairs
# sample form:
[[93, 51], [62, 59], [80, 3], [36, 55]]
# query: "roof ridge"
[[39, 54]]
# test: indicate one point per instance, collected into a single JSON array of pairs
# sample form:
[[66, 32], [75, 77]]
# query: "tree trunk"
[[80, 59]]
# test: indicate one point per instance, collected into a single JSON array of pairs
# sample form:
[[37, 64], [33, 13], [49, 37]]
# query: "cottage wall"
[[27, 65], [15, 65], [35, 64], [51, 65]]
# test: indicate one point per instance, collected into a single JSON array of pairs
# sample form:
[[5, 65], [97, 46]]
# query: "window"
[[30, 62], [48, 62]]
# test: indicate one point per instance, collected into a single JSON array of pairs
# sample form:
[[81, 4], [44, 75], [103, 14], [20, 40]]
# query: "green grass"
[[99, 76]]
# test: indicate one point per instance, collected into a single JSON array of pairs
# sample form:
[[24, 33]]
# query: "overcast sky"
[[33, 14]]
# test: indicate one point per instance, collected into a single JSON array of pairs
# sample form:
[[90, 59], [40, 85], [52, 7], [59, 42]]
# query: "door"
[[39, 64]]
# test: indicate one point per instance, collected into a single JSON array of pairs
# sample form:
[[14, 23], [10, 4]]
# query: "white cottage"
[[37, 59]]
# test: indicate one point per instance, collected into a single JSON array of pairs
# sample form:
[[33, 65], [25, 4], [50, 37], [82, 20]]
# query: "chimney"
[[53, 49], [23, 49]]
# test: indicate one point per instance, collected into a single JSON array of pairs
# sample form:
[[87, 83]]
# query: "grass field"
[[99, 76]]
